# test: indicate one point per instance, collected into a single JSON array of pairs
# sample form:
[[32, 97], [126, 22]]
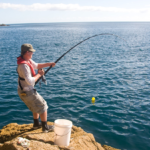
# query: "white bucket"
[[62, 129]]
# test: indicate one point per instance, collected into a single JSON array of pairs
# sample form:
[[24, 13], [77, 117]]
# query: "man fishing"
[[26, 91]]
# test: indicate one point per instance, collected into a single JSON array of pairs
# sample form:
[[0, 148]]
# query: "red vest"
[[20, 60]]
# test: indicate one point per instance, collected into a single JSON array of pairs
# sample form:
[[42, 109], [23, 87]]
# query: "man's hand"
[[52, 64], [41, 72]]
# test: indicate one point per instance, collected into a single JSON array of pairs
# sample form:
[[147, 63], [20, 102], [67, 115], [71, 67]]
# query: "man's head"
[[27, 51], [25, 48]]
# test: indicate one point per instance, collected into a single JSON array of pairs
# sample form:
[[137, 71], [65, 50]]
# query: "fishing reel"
[[43, 79]]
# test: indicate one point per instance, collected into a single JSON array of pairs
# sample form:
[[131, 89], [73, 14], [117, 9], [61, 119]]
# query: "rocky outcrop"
[[4, 25], [80, 140]]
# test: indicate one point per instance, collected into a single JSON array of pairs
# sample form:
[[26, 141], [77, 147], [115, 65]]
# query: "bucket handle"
[[60, 135]]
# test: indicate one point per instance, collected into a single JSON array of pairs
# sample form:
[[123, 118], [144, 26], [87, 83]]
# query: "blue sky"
[[35, 11]]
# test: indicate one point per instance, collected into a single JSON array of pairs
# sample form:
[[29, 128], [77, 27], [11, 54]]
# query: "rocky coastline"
[[4, 25], [80, 140]]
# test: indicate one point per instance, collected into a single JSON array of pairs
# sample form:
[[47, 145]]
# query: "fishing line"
[[77, 45]]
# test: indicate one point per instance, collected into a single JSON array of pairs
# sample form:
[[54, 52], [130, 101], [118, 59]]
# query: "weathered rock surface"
[[80, 140]]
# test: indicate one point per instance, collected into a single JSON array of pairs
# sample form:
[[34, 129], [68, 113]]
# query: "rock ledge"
[[80, 140]]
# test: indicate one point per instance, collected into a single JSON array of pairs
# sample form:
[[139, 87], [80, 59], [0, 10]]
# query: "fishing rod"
[[74, 47]]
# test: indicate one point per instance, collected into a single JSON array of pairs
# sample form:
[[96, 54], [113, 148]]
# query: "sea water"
[[114, 71]]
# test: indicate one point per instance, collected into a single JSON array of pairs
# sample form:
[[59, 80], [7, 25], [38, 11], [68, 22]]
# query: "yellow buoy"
[[93, 100]]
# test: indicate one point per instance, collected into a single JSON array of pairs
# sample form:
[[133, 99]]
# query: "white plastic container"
[[62, 129]]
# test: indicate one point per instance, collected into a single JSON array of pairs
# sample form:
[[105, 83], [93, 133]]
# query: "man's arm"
[[43, 65], [25, 72], [36, 77]]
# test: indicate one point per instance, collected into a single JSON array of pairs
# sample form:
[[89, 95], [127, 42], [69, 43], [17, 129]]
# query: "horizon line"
[[78, 22]]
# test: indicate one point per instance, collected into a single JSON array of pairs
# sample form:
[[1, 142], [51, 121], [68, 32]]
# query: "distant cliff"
[[4, 25]]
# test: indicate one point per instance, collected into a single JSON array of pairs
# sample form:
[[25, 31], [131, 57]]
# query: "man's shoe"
[[47, 128], [37, 126]]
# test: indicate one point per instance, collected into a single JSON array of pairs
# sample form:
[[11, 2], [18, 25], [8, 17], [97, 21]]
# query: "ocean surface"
[[114, 71]]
